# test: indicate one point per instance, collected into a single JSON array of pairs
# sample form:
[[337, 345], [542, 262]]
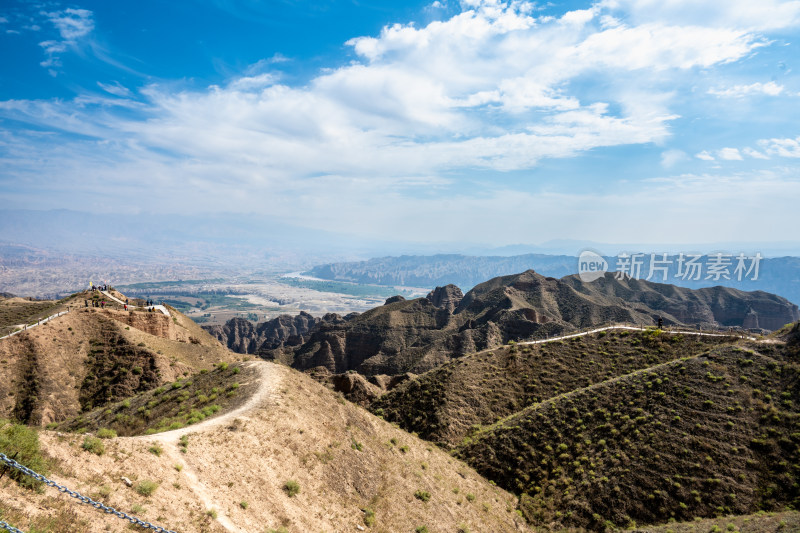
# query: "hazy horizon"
[[256, 239]]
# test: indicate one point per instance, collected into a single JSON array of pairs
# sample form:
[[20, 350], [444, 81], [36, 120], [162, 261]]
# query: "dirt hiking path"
[[26, 327], [632, 328], [268, 385], [269, 382], [161, 308]]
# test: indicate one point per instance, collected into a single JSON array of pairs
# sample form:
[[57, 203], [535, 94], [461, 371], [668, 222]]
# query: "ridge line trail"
[[631, 328], [161, 308], [41, 321], [269, 381]]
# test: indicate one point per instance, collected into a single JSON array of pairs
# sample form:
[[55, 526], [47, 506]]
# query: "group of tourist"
[[149, 304]]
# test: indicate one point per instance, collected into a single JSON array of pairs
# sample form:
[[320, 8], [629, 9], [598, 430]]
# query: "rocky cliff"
[[243, 336], [447, 297]]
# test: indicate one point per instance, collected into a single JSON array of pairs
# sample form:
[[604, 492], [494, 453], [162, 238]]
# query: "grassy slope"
[[446, 404], [173, 405], [715, 433], [761, 522]]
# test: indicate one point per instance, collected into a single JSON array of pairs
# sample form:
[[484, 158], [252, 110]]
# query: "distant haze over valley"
[[46, 253]]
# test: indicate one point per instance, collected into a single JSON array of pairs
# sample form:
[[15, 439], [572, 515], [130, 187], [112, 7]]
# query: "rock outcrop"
[[355, 387], [447, 297], [243, 336]]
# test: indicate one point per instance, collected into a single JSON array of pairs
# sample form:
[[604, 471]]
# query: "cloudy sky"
[[473, 121]]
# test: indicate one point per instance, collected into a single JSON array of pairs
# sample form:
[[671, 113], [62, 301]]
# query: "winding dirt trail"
[[268, 383], [169, 440]]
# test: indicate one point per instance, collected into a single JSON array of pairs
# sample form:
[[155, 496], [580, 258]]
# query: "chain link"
[[78, 496], [9, 527]]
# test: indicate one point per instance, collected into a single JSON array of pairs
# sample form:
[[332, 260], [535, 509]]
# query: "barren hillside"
[[91, 356], [351, 470]]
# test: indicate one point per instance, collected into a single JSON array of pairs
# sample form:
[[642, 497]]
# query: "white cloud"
[[450, 90], [769, 147], [659, 47], [729, 154], [53, 47], [263, 66], [579, 17], [781, 147], [755, 154], [738, 91], [738, 14], [72, 23], [95, 101], [250, 83], [10, 31], [116, 88]]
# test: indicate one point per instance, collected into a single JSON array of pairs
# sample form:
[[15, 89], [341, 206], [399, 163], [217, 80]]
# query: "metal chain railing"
[[9, 527], [83, 499]]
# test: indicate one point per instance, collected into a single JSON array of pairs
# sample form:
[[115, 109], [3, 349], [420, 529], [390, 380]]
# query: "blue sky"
[[476, 121]]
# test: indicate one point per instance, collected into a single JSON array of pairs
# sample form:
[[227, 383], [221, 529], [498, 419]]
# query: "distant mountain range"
[[778, 275], [420, 334]]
